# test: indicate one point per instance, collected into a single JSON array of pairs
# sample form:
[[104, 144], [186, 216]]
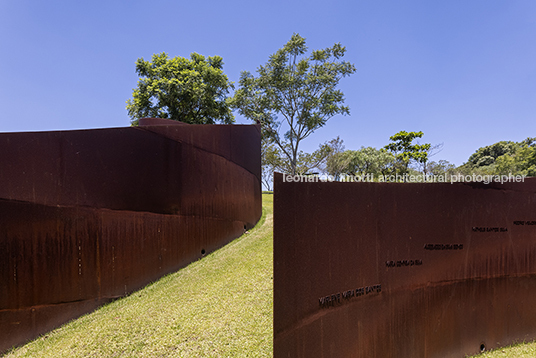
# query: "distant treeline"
[[502, 158], [403, 157]]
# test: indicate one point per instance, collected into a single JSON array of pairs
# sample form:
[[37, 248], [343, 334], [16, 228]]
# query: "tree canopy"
[[307, 163], [405, 151], [188, 90], [504, 158], [301, 89], [487, 155], [365, 161]]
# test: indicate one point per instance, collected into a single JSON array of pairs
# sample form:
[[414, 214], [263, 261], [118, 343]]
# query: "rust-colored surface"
[[403, 270], [89, 216]]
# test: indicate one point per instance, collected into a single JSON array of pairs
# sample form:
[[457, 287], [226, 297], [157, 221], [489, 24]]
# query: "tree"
[[191, 91], [270, 162], [486, 156], [424, 166], [334, 164], [371, 161], [302, 90], [405, 151], [520, 162], [362, 162], [441, 167], [503, 158], [338, 163], [274, 160]]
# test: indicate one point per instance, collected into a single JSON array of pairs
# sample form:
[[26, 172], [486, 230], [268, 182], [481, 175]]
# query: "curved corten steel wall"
[[403, 270], [88, 216]]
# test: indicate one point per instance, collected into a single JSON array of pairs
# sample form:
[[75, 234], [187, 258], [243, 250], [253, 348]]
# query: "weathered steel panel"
[[403, 270], [227, 141], [89, 216]]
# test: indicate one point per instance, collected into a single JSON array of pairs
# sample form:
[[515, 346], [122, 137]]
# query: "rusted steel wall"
[[403, 270], [89, 216]]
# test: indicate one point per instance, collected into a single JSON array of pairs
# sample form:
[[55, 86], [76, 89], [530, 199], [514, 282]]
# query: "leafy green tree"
[[306, 163], [332, 165], [405, 151], [441, 167], [339, 163], [188, 90], [361, 162], [336, 164], [301, 89], [271, 161], [503, 158], [370, 161], [520, 162], [506, 164], [385, 162], [424, 167], [529, 142], [486, 156]]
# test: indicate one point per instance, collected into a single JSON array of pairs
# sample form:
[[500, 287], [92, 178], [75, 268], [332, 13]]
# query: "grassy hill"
[[516, 351], [220, 306]]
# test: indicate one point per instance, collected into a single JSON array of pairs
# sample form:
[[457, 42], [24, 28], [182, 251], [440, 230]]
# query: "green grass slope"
[[527, 350], [220, 306]]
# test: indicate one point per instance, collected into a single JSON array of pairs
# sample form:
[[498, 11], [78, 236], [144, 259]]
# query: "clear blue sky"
[[461, 71]]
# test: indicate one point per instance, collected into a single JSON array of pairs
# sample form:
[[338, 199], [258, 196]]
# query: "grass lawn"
[[220, 306], [516, 351]]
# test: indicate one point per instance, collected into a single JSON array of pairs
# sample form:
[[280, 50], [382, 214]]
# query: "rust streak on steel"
[[403, 270], [88, 216]]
